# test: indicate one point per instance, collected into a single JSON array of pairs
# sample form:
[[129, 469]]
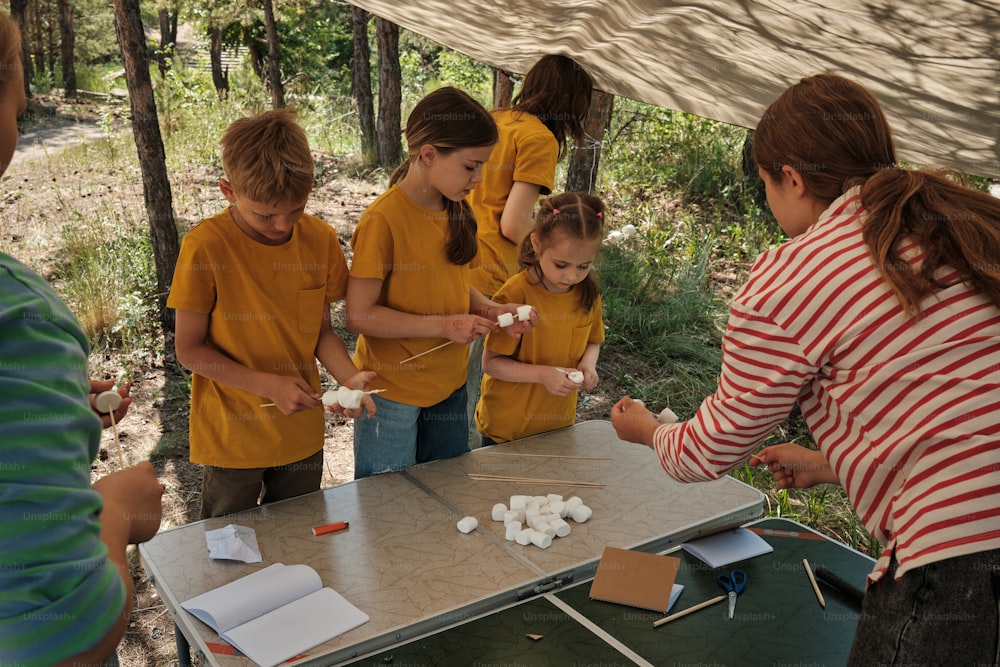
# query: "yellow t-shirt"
[[527, 152], [265, 306], [403, 245], [512, 410]]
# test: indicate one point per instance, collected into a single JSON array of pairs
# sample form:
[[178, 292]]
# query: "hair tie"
[[555, 211], [600, 214]]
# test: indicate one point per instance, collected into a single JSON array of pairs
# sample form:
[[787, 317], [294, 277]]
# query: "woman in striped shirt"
[[880, 318]]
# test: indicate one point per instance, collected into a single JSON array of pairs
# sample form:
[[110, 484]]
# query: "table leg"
[[183, 648]]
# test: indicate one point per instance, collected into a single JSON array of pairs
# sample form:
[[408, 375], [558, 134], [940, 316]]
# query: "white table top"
[[404, 562]]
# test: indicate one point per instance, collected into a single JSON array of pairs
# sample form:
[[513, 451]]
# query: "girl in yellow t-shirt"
[[530, 385], [409, 291]]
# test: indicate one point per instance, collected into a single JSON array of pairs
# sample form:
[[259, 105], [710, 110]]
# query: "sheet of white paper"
[[235, 603], [728, 547], [675, 593], [296, 627], [233, 542]]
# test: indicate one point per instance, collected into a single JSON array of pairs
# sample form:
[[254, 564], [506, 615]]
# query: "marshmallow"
[[511, 530], [540, 540], [524, 537], [505, 319], [518, 502], [581, 513], [524, 313], [546, 528], [553, 498], [667, 416], [329, 397], [468, 524], [532, 518], [349, 399], [498, 511], [575, 376], [107, 401], [562, 528], [559, 509], [575, 501]]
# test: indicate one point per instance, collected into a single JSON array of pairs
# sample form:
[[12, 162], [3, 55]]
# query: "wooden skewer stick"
[[531, 480], [118, 444], [425, 352], [556, 456]]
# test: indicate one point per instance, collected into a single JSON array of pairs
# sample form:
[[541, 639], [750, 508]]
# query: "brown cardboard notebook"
[[635, 578]]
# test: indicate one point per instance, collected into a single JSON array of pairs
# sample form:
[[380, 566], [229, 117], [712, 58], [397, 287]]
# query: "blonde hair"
[[10, 49], [267, 158]]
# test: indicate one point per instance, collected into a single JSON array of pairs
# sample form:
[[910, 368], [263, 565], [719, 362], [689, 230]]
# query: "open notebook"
[[276, 613]]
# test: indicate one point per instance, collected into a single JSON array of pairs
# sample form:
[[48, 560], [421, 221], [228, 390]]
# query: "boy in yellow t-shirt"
[[252, 290]]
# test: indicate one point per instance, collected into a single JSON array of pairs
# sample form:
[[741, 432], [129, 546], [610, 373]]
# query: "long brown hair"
[[557, 90], [579, 214], [449, 119], [833, 132]]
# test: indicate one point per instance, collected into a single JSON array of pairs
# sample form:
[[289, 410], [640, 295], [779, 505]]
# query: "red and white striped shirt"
[[906, 412]]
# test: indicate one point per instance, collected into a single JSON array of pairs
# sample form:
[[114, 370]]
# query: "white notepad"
[[276, 613], [728, 547]]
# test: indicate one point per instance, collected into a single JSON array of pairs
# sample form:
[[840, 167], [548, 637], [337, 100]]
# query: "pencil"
[[812, 580], [689, 610]]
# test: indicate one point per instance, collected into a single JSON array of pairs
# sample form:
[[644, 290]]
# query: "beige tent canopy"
[[934, 65]]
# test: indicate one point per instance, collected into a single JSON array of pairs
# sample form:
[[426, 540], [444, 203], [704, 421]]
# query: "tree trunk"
[[50, 32], [219, 77], [361, 86], [67, 46], [149, 144], [18, 11], [390, 147], [165, 51], [583, 164], [273, 58], [38, 37], [503, 89]]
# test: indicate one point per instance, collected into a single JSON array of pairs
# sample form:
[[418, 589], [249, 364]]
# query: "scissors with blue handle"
[[734, 583]]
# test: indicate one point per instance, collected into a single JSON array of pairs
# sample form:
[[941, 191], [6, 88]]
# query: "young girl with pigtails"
[[530, 385], [409, 294]]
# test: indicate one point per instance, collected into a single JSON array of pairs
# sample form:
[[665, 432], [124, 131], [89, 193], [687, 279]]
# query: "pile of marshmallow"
[[535, 519]]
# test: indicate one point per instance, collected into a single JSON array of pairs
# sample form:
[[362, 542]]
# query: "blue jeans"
[[401, 435]]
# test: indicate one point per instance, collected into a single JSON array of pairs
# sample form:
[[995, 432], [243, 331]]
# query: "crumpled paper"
[[233, 542]]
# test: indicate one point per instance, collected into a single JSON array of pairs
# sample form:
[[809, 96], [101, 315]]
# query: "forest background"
[[145, 91]]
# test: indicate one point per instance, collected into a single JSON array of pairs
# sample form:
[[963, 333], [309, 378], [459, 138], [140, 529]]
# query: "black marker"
[[839, 584]]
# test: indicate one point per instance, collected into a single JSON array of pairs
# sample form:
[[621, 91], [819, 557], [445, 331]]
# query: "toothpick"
[[425, 352]]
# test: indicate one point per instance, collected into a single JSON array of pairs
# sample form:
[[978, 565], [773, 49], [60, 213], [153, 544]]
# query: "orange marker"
[[330, 528]]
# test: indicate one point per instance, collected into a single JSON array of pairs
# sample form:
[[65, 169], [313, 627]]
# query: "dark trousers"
[[228, 490], [945, 613]]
